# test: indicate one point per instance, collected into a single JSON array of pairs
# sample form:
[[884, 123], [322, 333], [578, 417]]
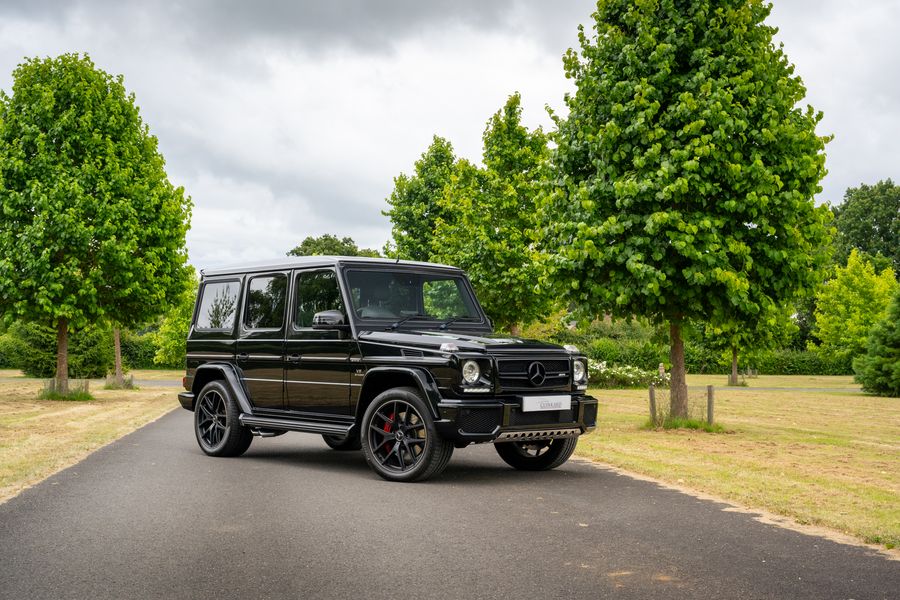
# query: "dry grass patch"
[[41, 437], [830, 459]]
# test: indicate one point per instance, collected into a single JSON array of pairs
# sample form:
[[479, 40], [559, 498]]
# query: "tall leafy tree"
[[686, 168], [493, 217], [878, 370], [869, 221], [91, 227], [849, 304], [414, 202], [330, 245]]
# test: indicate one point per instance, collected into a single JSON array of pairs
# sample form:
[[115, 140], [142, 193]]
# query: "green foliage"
[[489, 215], [850, 304], [138, 350], [330, 245], [415, 207], [79, 392], [797, 362], [670, 422], [33, 350], [686, 167], [171, 338], [869, 221], [879, 369], [91, 227], [623, 376]]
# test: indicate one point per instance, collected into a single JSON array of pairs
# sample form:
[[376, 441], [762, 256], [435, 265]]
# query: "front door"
[[317, 362], [260, 346]]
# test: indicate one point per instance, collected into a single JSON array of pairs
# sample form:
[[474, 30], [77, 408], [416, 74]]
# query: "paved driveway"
[[151, 516]]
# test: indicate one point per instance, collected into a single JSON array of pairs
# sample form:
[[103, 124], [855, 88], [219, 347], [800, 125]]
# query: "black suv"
[[394, 357]]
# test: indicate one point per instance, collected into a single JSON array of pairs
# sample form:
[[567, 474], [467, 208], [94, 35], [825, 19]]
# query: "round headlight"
[[578, 371], [470, 371]]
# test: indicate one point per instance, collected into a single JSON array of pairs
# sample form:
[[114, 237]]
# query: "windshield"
[[396, 295]]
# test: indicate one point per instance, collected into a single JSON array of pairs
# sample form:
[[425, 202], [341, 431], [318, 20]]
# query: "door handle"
[[243, 356], [294, 358]]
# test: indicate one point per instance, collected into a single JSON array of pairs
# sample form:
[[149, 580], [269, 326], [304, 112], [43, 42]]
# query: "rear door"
[[260, 345], [317, 362]]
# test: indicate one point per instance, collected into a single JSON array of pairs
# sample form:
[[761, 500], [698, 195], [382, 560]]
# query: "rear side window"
[[218, 305], [265, 302]]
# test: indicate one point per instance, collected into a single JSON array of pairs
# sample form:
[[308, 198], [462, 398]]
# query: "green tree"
[[415, 207], [330, 245], [494, 215], [849, 304], [686, 169], [878, 370], [771, 329], [171, 337], [91, 227], [869, 221]]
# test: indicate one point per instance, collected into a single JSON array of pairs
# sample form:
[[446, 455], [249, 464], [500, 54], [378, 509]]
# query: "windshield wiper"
[[397, 324], [446, 324]]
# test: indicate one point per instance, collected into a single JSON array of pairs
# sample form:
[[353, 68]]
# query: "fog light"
[[470, 371]]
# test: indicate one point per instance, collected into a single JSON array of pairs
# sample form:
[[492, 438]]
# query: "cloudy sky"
[[287, 119]]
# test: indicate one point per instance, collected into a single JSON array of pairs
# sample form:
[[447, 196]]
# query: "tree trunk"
[[732, 379], [62, 356], [677, 385], [117, 343], [515, 330]]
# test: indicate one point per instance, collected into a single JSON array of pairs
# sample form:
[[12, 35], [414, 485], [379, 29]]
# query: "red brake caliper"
[[387, 429]]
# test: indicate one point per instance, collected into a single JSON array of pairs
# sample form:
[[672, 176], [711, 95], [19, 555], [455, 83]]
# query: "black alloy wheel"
[[538, 455], [400, 441], [216, 424]]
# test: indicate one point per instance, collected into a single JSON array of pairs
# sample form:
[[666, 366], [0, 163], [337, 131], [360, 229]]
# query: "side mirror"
[[330, 319]]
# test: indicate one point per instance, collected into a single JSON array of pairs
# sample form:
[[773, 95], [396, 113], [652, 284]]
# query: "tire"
[[216, 424], [345, 443], [538, 455], [407, 448]]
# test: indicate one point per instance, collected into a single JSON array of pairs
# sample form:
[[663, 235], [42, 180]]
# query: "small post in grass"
[[653, 404], [710, 400]]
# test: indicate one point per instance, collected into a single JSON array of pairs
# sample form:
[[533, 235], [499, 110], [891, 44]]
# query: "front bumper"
[[186, 399], [502, 419]]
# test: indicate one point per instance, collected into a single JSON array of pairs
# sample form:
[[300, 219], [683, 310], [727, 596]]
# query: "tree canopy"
[[490, 218], [91, 227], [878, 370], [330, 245], [849, 304], [868, 220], [686, 168], [414, 202]]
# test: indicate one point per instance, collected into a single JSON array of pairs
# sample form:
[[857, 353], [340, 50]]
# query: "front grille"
[[542, 417], [477, 420], [514, 373]]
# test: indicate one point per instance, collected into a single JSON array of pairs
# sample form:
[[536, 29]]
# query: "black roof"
[[299, 262]]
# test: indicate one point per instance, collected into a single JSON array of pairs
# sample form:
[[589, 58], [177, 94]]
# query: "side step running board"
[[291, 425]]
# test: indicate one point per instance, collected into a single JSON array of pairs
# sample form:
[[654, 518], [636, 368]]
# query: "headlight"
[[470, 371], [578, 371]]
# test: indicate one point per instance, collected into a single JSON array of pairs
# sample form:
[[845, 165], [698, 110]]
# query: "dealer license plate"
[[536, 403]]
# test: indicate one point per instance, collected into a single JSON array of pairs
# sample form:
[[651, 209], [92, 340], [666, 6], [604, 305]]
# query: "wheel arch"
[[381, 379], [227, 374]]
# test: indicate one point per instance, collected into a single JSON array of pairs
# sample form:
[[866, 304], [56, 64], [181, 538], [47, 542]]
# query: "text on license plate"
[[536, 403]]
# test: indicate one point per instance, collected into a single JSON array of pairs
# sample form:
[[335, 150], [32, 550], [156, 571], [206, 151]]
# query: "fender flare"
[[423, 379], [231, 380]]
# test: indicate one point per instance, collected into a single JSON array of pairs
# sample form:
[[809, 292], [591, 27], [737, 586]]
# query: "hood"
[[467, 342]]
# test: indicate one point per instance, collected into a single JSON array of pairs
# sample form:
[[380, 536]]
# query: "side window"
[[265, 302], [217, 305], [316, 291]]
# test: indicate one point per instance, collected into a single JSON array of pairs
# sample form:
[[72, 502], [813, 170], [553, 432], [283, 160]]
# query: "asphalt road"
[[151, 516]]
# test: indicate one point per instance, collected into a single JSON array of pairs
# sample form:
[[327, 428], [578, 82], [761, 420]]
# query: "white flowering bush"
[[623, 376]]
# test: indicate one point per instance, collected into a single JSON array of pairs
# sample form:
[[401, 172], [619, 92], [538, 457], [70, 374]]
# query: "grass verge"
[[40, 437], [828, 459]]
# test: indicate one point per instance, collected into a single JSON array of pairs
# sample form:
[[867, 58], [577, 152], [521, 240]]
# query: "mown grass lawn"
[[40, 437], [828, 458]]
